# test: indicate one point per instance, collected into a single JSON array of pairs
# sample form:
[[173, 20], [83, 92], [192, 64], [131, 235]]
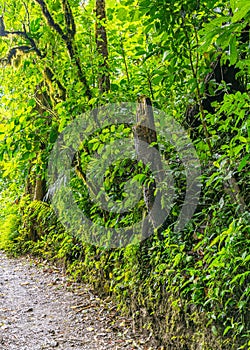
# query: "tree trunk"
[[39, 192], [144, 136], [102, 47]]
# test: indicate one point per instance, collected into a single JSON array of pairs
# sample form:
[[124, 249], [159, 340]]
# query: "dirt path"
[[40, 309]]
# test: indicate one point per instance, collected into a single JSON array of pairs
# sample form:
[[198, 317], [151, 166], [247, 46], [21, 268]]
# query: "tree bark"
[[102, 47], [144, 136]]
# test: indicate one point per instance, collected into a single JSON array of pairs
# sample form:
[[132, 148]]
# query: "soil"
[[41, 309]]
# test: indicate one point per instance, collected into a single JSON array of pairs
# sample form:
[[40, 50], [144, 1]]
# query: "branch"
[[44, 104], [13, 53], [2, 27], [68, 38], [50, 76], [50, 19], [69, 19], [24, 34], [27, 13], [81, 175]]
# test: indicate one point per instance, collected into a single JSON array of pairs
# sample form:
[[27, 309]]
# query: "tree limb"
[[50, 19], [102, 46], [69, 19], [24, 34], [68, 38]]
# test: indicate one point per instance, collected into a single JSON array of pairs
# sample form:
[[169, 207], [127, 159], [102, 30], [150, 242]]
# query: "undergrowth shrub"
[[191, 288], [10, 221], [188, 293]]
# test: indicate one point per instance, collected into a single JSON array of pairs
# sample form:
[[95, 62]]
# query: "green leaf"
[[237, 149], [227, 329], [140, 178], [214, 330], [157, 79], [92, 101], [121, 14], [28, 146], [53, 135], [244, 162], [242, 10], [233, 50], [177, 259], [35, 25]]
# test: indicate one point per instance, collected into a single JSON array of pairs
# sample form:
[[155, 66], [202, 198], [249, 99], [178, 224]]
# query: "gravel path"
[[41, 309]]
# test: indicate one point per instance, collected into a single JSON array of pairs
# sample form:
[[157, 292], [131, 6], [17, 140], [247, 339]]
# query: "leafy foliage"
[[192, 59]]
